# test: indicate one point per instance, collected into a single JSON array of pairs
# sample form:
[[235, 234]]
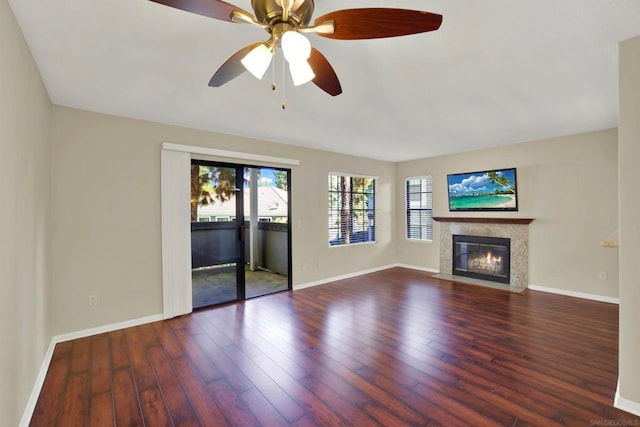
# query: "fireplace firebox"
[[481, 257]]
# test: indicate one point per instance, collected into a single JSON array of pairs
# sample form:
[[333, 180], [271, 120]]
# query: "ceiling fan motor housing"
[[270, 12]]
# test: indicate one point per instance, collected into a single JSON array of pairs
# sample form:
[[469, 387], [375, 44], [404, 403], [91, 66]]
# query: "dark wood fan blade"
[[216, 9], [326, 78], [232, 67], [373, 23]]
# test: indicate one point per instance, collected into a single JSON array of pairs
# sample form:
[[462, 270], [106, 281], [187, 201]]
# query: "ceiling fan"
[[287, 20]]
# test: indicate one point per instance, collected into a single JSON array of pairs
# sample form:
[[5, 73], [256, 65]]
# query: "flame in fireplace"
[[488, 263], [493, 260]]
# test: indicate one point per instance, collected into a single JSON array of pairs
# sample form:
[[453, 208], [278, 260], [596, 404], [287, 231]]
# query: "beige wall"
[[25, 115], [567, 184], [106, 223], [629, 143], [106, 214]]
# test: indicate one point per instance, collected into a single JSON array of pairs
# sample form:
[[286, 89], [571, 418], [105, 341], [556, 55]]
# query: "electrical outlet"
[[602, 275], [93, 300]]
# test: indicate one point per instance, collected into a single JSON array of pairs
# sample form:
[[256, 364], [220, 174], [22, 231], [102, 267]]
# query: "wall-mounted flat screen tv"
[[492, 190]]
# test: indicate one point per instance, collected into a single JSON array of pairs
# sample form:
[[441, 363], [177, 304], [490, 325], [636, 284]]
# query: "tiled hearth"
[[516, 229]]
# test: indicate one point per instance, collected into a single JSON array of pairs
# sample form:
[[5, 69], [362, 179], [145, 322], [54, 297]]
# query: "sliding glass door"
[[216, 237], [267, 223], [240, 233]]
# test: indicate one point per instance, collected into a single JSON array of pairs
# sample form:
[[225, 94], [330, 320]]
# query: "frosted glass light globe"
[[257, 61], [295, 46]]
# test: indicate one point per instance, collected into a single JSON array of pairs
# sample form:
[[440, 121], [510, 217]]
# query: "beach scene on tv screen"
[[483, 190]]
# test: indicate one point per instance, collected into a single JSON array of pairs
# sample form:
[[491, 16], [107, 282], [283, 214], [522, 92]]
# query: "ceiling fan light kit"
[[257, 60], [296, 49], [301, 72], [285, 20], [295, 46]]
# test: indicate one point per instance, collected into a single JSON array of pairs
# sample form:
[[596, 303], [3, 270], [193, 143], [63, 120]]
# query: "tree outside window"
[[351, 209]]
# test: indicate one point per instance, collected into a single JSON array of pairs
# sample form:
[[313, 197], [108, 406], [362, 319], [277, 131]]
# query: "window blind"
[[419, 203]]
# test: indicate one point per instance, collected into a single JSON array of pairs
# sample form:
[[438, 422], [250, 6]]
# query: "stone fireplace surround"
[[516, 229]]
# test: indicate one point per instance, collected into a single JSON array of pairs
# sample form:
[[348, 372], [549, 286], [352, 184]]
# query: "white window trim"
[[193, 149], [375, 207], [354, 175], [406, 218]]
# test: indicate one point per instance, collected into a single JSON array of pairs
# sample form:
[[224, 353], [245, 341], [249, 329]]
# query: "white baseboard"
[[415, 267], [44, 367], [341, 277], [625, 404], [35, 391], [360, 273], [106, 328], [584, 295]]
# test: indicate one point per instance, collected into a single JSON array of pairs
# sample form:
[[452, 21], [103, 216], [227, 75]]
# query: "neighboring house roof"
[[272, 201]]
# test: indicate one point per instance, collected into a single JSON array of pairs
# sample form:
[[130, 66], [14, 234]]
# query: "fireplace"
[[481, 257], [515, 229]]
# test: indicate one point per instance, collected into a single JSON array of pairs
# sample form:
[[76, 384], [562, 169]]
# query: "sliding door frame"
[[238, 223], [176, 218]]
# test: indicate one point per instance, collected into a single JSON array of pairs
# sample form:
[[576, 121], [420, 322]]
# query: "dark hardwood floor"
[[392, 348]]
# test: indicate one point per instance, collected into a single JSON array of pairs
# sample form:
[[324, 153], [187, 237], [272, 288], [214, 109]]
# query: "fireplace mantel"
[[483, 220]]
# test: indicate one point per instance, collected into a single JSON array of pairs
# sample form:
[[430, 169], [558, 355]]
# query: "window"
[[419, 208], [351, 209]]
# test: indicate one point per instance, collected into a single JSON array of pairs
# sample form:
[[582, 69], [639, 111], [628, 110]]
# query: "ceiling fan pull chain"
[[284, 66], [273, 70]]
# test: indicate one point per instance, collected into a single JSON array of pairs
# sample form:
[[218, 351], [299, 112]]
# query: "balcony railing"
[[214, 243]]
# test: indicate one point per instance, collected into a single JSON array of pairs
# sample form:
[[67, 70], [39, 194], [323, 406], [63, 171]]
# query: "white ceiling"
[[496, 72]]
